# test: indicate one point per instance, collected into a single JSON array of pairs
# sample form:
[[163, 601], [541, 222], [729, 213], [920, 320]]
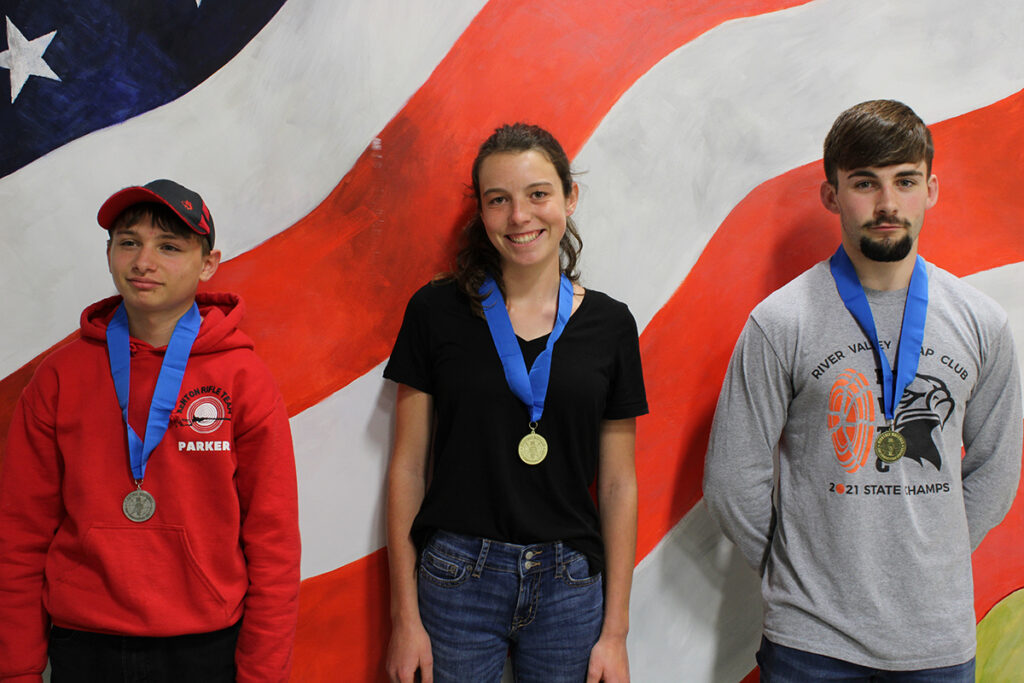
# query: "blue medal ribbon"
[[168, 382], [911, 339], [531, 389]]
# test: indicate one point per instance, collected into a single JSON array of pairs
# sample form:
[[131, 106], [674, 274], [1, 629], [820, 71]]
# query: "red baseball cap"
[[188, 205]]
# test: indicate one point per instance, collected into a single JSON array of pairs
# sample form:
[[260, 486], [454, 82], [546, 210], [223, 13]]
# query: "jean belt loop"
[[559, 564], [485, 545]]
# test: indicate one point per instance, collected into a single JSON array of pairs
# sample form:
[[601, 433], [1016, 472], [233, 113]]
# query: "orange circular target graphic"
[[851, 419]]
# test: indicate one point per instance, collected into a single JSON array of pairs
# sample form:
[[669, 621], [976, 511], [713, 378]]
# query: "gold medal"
[[533, 447], [890, 446], [138, 505]]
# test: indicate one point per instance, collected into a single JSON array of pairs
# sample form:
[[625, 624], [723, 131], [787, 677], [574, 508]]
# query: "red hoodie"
[[224, 540]]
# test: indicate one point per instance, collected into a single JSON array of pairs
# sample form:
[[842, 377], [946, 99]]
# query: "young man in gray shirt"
[[835, 456]]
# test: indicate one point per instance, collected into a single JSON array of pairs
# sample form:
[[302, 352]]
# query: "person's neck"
[[531, 298], [154, 328], [885, 276], [531, 287]]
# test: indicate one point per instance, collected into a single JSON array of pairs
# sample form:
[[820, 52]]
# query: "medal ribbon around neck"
[[911, 339], [168, 382], [531, 388]]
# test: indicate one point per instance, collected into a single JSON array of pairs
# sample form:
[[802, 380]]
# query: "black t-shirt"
[[479, 486]]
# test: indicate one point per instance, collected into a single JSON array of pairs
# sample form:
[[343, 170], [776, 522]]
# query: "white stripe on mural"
[[342, 446], [695, 607], [753, 99], [264, 140], [1004, 285]]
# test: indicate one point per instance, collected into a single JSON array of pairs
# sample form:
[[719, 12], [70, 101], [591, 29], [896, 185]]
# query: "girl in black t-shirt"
[[495, 544]]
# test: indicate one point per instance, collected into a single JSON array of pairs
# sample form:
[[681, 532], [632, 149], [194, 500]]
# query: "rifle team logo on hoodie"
[[203, 409]]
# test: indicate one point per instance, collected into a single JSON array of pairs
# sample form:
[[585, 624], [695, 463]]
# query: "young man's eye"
[[539, 194], [170, 247]]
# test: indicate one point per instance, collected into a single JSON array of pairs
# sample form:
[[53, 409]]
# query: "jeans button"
[[530, 554]]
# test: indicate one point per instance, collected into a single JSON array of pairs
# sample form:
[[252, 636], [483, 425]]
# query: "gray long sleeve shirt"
[[861, 560]]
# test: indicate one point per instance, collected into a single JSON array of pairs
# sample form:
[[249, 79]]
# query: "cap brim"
[[119, 201]]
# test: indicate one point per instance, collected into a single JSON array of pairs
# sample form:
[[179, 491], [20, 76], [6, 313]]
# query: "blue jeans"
[[86, 657], [780, 664], [481, 600]]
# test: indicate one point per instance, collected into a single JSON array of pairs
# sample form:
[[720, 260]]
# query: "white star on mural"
[[24, 58]]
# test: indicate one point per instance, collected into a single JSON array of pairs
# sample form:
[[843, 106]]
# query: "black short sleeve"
[[627, 396], [409, 363]]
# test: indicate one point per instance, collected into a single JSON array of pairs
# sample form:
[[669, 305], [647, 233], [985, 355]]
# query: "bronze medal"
[[533, 447], [890, 446], [138, 505]]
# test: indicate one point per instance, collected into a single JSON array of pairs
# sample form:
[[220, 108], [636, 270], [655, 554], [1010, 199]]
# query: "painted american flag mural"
[[333, 141]]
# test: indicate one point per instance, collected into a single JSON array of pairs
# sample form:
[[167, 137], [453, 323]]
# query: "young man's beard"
[[886, 250]]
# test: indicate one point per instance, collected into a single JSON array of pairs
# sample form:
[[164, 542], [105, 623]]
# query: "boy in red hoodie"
[[148, 507]]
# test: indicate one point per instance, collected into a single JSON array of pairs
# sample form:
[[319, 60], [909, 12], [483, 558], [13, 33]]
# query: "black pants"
[[85, 657]]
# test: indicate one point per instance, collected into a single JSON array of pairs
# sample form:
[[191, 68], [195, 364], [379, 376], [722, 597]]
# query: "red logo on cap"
[[187, 204]]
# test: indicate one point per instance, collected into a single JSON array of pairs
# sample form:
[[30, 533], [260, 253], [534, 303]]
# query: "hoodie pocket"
[[134, 573]]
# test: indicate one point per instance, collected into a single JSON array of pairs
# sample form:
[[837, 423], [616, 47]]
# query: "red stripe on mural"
[[999, 560], [344, 624]]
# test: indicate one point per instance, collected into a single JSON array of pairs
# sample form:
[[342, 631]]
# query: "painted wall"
[[333, 145]]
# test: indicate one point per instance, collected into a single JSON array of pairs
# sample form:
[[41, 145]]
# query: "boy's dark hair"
[[162, 217], [876, 133], [477, 257]]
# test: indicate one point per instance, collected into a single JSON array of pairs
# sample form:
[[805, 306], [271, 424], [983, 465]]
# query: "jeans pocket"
[[443, 570], [576, 571]]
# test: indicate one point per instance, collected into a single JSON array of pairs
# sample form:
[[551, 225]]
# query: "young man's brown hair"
[[876, 133]]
